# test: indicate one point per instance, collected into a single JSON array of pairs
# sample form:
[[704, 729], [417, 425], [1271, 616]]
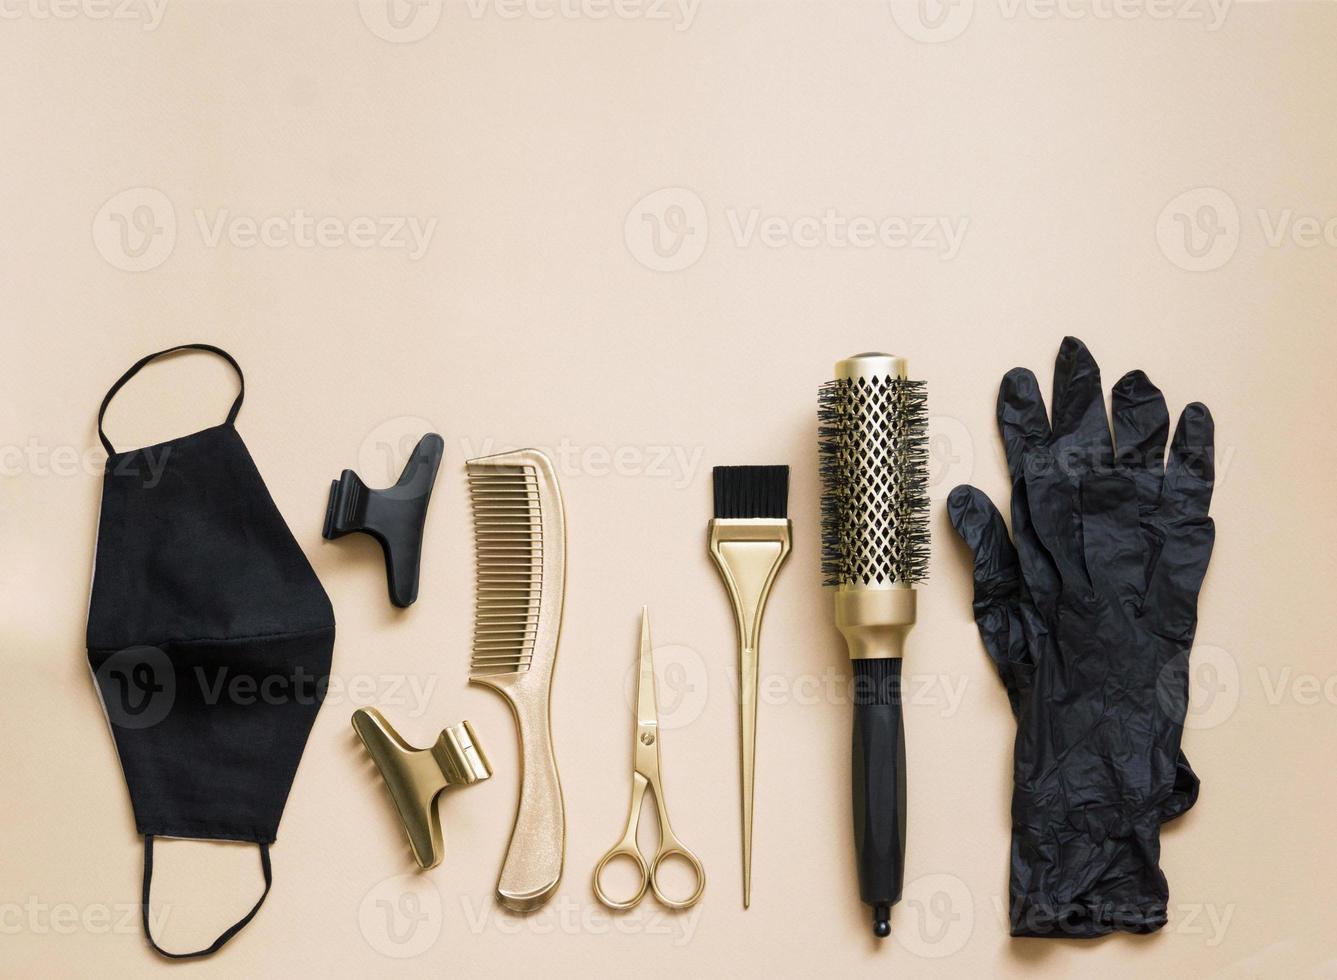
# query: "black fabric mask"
[[209, 637]]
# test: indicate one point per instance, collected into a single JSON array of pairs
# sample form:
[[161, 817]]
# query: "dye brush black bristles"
[[744, 492]]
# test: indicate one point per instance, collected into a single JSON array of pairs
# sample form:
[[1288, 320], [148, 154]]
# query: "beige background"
[[1075, 146]]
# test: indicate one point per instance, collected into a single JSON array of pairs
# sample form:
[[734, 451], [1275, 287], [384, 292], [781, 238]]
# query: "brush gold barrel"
[[749, 540], [874, 549], [875, 613], [520, 540]]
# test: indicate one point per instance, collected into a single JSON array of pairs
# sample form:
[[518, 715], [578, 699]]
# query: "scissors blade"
[[647, 707]]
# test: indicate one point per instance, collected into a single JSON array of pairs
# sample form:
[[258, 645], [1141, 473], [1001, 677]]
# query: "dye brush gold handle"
[[748, 554]]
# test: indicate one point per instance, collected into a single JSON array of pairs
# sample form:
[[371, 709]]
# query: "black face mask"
[[209, 637]]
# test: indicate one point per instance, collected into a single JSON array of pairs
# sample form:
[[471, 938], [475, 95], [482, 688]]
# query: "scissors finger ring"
[[698, 872]]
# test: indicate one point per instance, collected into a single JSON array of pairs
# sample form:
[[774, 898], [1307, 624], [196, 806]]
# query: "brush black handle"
[[879, 786]]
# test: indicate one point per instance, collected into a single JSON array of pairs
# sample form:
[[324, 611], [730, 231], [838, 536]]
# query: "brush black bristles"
[[873, 446], [743, 492]]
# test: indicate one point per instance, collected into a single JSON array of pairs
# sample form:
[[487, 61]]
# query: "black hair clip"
[[394, 516]]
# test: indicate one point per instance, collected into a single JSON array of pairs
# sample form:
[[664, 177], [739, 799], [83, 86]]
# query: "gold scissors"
[[645, 773]]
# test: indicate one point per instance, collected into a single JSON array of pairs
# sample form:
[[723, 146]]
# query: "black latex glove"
[[1089, 618]]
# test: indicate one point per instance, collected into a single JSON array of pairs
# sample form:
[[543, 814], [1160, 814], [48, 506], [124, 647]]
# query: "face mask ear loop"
[[139, 364], [231, 931]]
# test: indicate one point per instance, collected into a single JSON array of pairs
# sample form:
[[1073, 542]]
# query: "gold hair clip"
[[416, 776]]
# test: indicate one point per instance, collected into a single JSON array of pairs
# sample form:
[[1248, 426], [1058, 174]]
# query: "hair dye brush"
[[873, 449], [749, 541]]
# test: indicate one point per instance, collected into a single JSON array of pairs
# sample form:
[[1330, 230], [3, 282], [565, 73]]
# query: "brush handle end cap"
[[882, 921]]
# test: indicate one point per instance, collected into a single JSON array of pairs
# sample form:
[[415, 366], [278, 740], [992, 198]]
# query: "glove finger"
[[1184, 793], [1141, 428], [1112, 537], [1053, 501], [1188, 533], [1170, 605], [1022, 421], [1038, 570], [1024, 426], [998, 585], [976, 519], [1191, 471], [1080, 424]]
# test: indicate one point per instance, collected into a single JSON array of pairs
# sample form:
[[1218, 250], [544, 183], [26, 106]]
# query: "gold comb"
[[520, 550], [416, 776]]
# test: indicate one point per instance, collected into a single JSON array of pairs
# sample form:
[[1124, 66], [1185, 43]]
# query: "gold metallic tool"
[[875, 595], [645, 775], [748, 553], [520, 545], [873, 453], [416, 776]]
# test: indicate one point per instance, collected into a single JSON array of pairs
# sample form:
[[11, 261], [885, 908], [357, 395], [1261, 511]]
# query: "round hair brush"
[[874, 453]]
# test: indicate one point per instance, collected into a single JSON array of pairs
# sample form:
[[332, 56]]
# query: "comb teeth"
[[508, 547], [873, 445]]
